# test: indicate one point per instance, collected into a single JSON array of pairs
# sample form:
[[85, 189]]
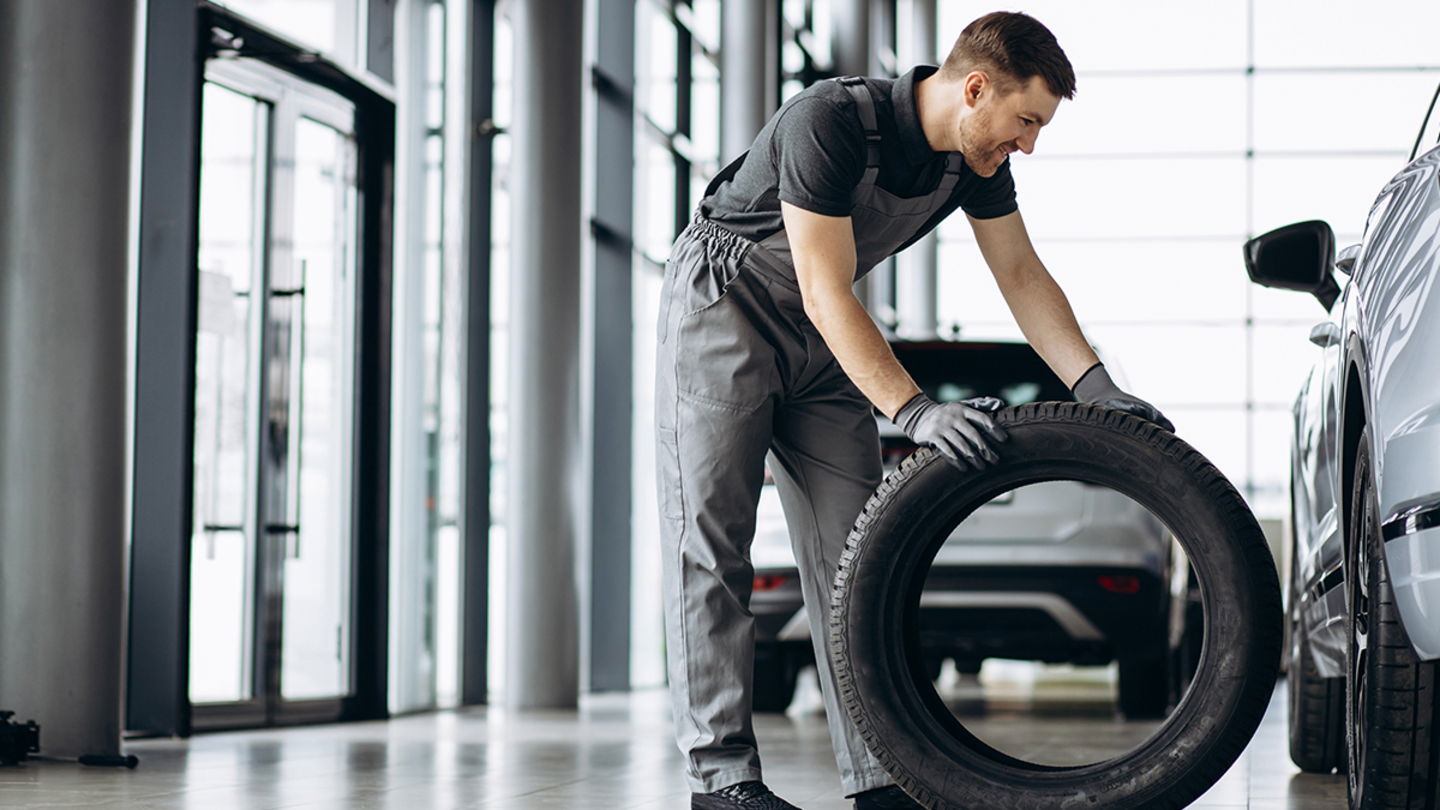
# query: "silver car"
[[1364, 591], [1060, 572]]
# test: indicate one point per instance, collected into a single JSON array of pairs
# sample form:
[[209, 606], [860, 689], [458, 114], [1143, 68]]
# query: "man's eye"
[[1027, 121]]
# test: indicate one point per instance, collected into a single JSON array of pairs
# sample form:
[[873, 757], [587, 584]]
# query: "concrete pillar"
[[744, 74], [916, 268], [66, 72], [850, 37], [542, 514], [850, 49], [409, 687]]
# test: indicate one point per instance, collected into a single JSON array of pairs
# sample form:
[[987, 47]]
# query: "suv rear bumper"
[[1054, 615]]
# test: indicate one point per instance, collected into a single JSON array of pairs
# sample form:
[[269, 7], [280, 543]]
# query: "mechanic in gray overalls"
[[763, 347]]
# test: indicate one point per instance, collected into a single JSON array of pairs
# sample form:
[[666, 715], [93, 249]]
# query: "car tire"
[[872, 627], [776, 672], [1144, 688], [1391, 711], [1317, 705]]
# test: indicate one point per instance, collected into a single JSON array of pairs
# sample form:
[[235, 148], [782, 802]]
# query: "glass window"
[[1130, 115], [1282, 357], [1381, 33], [1176, 366], [1131, 197], [1379, 112], [328, 26], [656, 60], [1339, 190], [1129, 35], [1156, 281]]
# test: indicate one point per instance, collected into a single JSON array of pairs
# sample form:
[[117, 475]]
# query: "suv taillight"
[[1119, 583], [769, 582]]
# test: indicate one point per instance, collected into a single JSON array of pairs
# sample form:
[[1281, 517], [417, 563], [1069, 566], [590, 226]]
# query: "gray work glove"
[[957, 429], [1095, 386]]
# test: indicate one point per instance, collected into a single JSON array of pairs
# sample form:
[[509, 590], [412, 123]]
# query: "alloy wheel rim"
[[1359, 646]]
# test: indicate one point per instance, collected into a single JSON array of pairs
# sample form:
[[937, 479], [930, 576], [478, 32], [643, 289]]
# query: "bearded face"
[[978, 144], [994, 124]]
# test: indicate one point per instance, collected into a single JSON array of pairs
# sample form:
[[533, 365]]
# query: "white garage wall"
[[1196, 126]]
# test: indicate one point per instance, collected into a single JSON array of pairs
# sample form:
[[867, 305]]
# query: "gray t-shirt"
[[811, 154]]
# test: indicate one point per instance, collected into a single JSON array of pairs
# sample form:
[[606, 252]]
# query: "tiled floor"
[[614, 753]]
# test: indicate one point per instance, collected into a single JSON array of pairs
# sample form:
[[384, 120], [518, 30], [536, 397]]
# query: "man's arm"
[[824, 251], [1037, 302]]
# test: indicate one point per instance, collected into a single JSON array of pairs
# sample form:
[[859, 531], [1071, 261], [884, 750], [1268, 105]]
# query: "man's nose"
[[1026, 143]]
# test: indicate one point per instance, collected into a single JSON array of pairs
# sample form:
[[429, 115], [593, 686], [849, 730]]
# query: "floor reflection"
[[1047, 714]]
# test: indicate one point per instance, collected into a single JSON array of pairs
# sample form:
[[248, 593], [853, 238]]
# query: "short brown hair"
[[1016, 47]]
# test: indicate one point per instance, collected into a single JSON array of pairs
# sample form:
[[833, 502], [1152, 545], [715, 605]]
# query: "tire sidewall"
[[913, 733]]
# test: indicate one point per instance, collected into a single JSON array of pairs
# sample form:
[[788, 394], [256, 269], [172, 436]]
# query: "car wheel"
[[873, 637], [1144, 685], [1390, 708], [1317, 705], [776, 672]]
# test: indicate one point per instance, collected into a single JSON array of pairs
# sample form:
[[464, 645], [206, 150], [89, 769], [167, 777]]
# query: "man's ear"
[[977, 84]]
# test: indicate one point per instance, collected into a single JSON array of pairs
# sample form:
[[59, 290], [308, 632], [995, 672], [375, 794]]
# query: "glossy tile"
[[614, 753]]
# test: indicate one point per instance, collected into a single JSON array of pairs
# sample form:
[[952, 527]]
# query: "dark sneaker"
[[890, 797], [744, 796]]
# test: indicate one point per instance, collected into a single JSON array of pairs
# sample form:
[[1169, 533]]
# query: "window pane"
[[1270, 462], [1177, 365], [1283, 356], [1339, 190], [656, 59], [654, 198], [1339, 33], [1145, 114], [1382, 111], [1131, 197], [1150, 281], [1129, 34], [705, 108], [311, 22]]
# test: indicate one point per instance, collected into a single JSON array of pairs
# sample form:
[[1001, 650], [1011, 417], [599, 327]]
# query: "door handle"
[[290, 529], [1325, 335]]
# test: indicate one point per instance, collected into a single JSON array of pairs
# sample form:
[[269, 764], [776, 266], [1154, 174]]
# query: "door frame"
[[157, 697]]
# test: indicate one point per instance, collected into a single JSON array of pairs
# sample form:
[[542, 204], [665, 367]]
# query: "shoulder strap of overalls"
[[865, 105], [953, 167]]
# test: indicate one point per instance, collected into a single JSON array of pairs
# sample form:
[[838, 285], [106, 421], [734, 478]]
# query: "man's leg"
[[826, 464], [713, 426]]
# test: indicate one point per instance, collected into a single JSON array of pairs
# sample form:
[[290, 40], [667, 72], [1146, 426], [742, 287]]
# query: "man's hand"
[[954, 428], [1095, 386]]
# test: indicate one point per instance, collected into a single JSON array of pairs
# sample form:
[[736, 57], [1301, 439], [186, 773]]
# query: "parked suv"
[[1056, 572], [1364, 585]]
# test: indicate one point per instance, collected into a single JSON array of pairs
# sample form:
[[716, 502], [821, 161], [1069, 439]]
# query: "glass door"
[[272, 552]]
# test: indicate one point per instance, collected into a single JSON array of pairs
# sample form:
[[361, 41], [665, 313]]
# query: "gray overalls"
[[740, 371]]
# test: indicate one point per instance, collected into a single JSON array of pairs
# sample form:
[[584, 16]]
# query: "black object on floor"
[[874, 640], [17, 740]]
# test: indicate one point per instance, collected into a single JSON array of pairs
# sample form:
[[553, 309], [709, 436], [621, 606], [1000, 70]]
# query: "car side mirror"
[[1295, 257]]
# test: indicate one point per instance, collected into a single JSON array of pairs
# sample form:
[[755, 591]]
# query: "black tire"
[[776, 672], [882, 570], [1145, 685], [1391, 713], [1317, 705]]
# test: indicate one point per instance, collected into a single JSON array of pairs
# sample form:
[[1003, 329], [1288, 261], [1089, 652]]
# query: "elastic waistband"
[[750, 253]]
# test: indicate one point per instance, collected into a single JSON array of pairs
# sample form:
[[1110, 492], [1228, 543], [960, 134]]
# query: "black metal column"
[[159, 646], [608, 357], [475, 509]]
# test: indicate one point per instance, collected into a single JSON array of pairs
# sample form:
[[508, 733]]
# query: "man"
[[765, 348]]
